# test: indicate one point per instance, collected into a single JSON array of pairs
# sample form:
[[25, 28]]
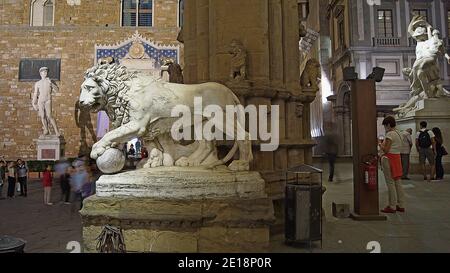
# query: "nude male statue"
[[42, 101]]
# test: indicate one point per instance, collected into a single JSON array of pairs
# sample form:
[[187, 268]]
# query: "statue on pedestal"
[[42, 101], [424, 76], [141, 106]]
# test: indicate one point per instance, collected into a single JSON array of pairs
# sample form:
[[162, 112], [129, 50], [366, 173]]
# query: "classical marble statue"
[[42, 101], [238, 71], [140, 105], [424, 76], [174, 70], [311, 75]]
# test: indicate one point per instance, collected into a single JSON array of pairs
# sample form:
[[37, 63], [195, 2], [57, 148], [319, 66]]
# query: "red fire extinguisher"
[[370, 174]]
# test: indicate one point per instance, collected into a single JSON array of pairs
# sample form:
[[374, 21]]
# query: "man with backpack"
[[426, 147]]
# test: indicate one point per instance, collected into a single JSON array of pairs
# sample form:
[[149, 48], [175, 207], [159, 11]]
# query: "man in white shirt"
[[407, 144], [426, 147]]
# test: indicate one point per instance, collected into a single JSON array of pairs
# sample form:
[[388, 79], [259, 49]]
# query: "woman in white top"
[[392, 166]]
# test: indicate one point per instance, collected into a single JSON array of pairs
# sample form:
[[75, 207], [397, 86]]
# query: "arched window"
[[180, 13], [137, 13], [42, 13]]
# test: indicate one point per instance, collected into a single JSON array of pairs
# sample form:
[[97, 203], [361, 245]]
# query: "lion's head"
[[103, 89]]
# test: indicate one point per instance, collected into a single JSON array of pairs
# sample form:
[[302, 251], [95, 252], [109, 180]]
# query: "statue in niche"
[[302, 29], [83, 121], [311, 75], [424, 76], [180, 37], [42, 101], [173, 69], [238, 71]]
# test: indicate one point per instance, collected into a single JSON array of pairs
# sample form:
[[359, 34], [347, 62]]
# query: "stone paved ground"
[[425, 227], [45, 228]]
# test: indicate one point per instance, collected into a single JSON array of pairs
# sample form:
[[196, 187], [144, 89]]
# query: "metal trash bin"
[[303, 205], [10, 244]]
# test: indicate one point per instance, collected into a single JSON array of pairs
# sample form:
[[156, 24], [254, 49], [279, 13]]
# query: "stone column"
[[268, 29]]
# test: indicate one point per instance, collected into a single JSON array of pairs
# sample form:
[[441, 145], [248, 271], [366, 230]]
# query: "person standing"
[[12, 179], [144, 152], [440, 152], [138, 147], [22, 173], [407, 144], [426, 147], [47, 180], [2, 176], [392, 166], [131, 151], [331, 150]]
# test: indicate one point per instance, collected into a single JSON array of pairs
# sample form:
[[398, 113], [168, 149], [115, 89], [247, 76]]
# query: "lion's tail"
[[235, 147], [227, 158]]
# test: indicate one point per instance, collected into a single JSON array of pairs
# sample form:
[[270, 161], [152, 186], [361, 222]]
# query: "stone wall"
[[77, 29]]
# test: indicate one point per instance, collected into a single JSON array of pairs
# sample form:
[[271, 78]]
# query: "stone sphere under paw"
[[111, 161]]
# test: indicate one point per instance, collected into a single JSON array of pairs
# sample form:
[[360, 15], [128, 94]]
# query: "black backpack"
[[424, 140]]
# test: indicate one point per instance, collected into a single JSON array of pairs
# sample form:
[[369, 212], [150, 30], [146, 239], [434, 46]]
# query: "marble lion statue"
[[311, 74], [139, 105]]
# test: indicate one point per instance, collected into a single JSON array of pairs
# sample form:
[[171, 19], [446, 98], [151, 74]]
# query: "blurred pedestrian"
[[22, 174], [77, 181], [47, 182], [62, 169], [440, 152], [331, 150], [144, 153], [138, 147], [12, 179], [2, 175], [407, 144], [392, 166]]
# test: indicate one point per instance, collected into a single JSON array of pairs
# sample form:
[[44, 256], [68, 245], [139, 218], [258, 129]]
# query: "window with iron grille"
[[137, 13], [385, 23]]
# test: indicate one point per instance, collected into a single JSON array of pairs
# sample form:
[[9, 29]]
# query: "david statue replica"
[[42, 101], [424, 76]]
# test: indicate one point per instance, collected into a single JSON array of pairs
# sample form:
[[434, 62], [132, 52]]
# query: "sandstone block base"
[[181, 226]]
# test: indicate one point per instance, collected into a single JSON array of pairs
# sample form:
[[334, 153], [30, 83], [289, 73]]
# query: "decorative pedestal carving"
[[181, 210], [50, 147], [434, 111]]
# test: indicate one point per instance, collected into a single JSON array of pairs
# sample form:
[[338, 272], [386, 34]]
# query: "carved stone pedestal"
[[50, 147], [221, 211], [436, 112]]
